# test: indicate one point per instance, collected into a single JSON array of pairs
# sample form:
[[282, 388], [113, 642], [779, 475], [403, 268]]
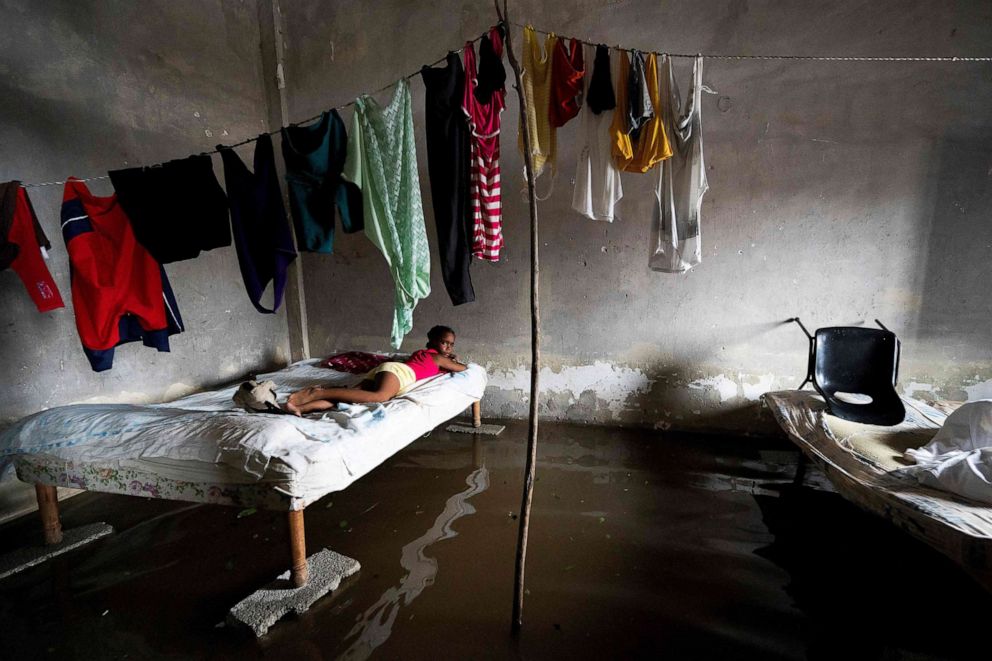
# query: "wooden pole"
[[535, 333], [48, 508], [299, 571], [271, 27]]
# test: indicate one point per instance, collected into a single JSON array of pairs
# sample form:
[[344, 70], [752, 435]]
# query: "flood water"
[[642, 545]]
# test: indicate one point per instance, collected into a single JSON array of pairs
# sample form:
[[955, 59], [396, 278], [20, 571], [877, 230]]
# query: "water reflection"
[[375, 625]]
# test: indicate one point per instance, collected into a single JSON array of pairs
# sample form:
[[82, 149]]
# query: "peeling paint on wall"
[[981, 390], [914, 387], [720, 383], [753, 391], [611, 384], [609, 393]]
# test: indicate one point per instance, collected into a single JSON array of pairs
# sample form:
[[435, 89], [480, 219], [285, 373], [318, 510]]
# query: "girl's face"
[[445, 344]]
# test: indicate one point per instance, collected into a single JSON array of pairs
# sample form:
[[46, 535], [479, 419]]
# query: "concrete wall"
[[92, 86], [839, 192]]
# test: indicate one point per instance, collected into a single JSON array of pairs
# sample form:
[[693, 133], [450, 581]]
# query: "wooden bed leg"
[[299, 571], [48, 508], [477, 414]]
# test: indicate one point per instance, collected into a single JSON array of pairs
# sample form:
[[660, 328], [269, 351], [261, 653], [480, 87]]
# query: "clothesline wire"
[[302, 121], [820, 58], [711, 56]]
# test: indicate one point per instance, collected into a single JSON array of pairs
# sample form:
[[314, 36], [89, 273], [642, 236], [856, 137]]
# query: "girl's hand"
[[449, 364]]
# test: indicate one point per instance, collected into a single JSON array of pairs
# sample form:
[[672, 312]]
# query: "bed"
[[863, 462], [202, 448]]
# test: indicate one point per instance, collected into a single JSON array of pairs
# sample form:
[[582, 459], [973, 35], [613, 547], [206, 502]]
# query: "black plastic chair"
[[855, 370]]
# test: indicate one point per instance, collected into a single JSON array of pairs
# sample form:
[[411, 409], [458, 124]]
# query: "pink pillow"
[[354, 362]]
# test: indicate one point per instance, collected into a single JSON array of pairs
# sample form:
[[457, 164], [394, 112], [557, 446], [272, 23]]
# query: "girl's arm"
[[449, 365]]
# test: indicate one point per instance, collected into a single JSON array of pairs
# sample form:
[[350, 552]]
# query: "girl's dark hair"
[[435, 333]]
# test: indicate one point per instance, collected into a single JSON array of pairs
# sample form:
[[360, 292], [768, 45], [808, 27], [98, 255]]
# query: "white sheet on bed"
[[959, 458], [307, 456]]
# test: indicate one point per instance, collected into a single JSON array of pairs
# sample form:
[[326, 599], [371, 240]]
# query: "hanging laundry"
[[315, 156], [650, 146], [622, 147], [176, 209], [536, 79], [567, 72], [119, 292], [382, 162], [600, 94], [448, 150], [483, 117], [23, 247], [640, 106], [597, 180], [261, 232], [675, 237], [492, 73]]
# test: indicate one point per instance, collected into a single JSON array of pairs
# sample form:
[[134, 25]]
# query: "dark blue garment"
[[176, 208], [315, 157], [258, 220], [448, 153], [130, 330]]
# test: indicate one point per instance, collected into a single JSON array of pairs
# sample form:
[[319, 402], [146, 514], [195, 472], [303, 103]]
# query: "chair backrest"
[[855, 360]]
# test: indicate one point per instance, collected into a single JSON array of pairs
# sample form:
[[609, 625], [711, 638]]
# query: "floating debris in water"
[[246, 512]]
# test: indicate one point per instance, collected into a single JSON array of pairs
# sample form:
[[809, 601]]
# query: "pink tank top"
[[422, 363]]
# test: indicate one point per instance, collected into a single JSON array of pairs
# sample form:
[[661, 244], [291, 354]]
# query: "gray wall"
[[839, 192], [92, 86]]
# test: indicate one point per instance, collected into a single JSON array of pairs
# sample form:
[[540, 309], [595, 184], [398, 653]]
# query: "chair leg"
[[477, 414], [299, 571], [48, 508]]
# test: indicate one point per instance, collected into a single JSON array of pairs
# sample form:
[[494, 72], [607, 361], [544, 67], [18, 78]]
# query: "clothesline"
[[302, 121], [821, 58]]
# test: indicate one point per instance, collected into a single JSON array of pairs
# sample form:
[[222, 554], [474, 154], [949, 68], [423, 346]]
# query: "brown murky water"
[[642, 546]]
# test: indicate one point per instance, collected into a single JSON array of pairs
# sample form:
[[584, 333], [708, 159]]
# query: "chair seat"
[[885, 407]]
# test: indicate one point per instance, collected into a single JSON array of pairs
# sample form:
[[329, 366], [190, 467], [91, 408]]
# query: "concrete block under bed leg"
[[57, 541], [307, 580]]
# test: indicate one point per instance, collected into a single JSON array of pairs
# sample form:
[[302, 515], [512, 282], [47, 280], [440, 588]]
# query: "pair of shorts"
[[402, 371]]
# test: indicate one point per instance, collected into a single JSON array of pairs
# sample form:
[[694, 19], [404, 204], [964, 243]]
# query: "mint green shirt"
[[382, 162]]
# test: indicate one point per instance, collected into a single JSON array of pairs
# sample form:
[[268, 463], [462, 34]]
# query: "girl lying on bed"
[[387, 380]]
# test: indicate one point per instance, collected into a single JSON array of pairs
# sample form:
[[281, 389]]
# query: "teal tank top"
[[314, 157]]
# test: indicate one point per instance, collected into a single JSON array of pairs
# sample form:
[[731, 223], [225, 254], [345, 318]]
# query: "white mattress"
[[205, 438]]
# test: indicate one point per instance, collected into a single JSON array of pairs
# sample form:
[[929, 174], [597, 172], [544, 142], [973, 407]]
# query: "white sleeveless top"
[[597, 180]]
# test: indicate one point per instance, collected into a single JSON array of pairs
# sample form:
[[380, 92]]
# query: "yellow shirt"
[[652, 145], [536, 82]]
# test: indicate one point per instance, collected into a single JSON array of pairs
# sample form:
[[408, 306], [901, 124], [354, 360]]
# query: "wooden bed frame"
[[48, 509]]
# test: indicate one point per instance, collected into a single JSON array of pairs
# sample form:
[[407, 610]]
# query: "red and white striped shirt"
[[484, 186]]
